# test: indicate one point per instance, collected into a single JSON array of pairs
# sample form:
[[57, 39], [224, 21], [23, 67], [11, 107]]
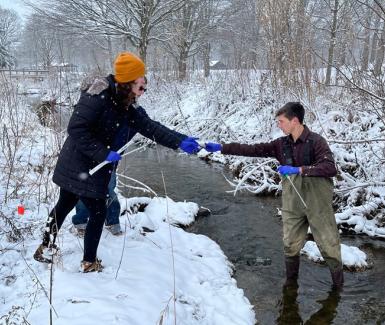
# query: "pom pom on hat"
[[128, 67]]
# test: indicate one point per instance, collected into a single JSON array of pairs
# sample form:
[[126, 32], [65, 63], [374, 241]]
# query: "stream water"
[[249, 232]]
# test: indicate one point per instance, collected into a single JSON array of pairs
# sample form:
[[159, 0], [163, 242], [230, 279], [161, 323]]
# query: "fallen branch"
[[355, 141], [362, 185]]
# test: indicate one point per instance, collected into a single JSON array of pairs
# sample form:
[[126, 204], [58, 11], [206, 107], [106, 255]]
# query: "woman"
[[105, 118]]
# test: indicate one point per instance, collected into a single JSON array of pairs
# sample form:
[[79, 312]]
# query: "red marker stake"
[[20, 210]]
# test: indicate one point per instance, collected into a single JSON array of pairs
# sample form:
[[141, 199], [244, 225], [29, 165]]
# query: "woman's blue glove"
[[288, 170], [189, 145], [113, 156], [212, 147]]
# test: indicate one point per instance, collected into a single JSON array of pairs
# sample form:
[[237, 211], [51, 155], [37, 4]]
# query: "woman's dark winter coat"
[[97, 126]]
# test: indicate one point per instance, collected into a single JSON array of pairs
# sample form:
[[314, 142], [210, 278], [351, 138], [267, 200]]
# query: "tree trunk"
[[125, 41], [365, 52], [182, 65], [206, 59], [143, 43], [380, 53], [143, 50], [375, 39], [332, 43], [110, 54], [366, 44], [300, 34]]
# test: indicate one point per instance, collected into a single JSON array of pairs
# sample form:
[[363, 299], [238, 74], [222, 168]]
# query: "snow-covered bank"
[[137, 284]]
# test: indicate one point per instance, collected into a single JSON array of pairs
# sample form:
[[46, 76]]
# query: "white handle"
[[96, 168]]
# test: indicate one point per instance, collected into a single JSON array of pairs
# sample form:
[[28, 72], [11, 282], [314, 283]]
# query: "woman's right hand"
[[113, 156]]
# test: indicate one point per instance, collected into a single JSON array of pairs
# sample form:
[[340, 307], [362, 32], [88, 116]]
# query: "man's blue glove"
[[212, 147], [288, 170], [113, 156], [189, 145]]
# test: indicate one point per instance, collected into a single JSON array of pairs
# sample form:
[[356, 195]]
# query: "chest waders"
[[318, 213]]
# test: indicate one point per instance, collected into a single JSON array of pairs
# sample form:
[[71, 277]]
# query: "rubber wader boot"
[[292, 269], [338, 278]]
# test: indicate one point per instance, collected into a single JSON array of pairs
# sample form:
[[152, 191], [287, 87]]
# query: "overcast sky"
[[16, 5]]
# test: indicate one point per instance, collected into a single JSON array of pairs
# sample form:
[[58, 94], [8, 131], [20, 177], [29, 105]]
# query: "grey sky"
[[16, 5]]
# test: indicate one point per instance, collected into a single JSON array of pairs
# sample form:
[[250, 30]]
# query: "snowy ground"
[[143, 273]]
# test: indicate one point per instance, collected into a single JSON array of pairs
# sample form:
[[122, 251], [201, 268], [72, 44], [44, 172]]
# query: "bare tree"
[[334, 8], [380, 11], [215, 13], [240, 32], [188, 29], [135, 20], [380, 52], [9, 34], [366, 23], [40, 41], [374, 24], [287, 36]]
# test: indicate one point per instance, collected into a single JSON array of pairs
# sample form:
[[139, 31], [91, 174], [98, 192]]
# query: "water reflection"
[[289, 309]]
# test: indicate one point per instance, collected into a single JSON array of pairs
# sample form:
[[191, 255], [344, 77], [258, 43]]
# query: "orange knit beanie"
[[128, 67]]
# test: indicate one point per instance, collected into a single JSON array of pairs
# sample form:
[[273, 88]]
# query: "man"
[[104, 119], [307, 165]]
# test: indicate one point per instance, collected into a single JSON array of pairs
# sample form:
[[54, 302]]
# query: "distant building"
[[217, 65]]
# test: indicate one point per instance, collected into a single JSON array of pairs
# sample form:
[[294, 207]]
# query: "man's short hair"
[[291, 110]]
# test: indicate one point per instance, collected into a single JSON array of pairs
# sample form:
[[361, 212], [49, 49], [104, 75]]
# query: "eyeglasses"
[[141, 88]]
